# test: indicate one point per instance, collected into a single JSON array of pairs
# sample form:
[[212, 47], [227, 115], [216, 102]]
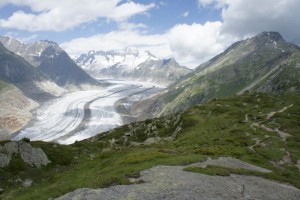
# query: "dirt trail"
[[282, 134], [271, 114]]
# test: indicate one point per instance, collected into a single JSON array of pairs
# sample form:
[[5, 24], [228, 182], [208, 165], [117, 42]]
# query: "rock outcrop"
[[171, 182], [4, 159], [30, 155]]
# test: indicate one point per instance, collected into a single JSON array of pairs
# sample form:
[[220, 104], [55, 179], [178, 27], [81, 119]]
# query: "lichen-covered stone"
[[32, 156], [10, 148], [4, 160]]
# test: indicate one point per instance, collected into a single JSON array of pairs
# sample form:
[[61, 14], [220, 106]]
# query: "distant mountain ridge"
[[50, 59], [131, 64], [264, 63]]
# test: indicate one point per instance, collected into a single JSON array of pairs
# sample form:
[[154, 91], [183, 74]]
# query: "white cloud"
[[205, 2], [118, 40], [188, 44], [217, 3], [196, 43], [126, 10], [243, 17], [185, 14], [131, 26], [57, 15]]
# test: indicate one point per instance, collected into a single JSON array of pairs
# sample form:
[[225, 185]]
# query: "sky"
[[191, 31]]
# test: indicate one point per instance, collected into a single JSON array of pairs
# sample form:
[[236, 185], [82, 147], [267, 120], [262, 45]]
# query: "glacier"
[[79, 115]]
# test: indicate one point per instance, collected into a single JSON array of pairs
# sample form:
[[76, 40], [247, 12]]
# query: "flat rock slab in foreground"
[[171, 182]]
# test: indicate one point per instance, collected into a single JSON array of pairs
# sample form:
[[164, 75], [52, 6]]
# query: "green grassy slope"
[[218, 128]]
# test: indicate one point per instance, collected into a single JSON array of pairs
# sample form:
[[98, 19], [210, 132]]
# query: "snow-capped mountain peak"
[[30, 51], [127, 58], [131, 64]]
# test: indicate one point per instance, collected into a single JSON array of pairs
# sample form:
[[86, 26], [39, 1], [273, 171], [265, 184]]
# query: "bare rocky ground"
[[14, 111], [171, 182]]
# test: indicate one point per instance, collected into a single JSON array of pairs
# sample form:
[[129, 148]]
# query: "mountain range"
[[264, 63], [129, 64]]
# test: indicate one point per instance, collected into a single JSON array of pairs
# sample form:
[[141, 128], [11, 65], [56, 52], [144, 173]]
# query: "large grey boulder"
[[10, 148], [4, 160], [32, 156]]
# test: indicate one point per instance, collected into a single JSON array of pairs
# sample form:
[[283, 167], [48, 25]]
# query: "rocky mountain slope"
[[264, 63], [234, 143], [33, 83], [14, 109], [50, 59], [131, 64]]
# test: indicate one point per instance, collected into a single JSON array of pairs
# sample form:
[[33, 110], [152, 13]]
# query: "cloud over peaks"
[[57, 15]]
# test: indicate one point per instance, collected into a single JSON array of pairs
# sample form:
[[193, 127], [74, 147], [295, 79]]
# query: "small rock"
[[112, 142], [128, 134], [27, 183], [135, 181], [152, 140], [92, 156], [18, 180]]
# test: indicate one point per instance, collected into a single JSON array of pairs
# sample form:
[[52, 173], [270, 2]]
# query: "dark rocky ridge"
[[15, 70], [50, 59]]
